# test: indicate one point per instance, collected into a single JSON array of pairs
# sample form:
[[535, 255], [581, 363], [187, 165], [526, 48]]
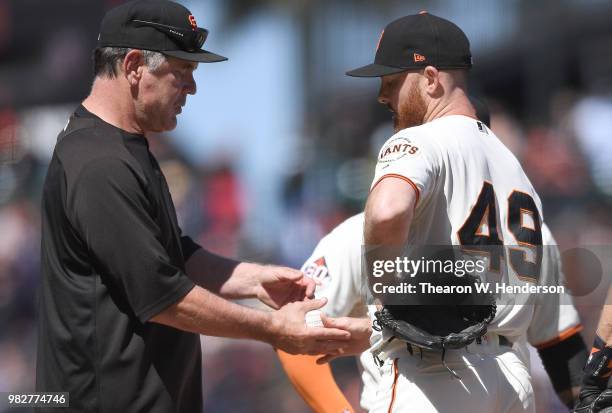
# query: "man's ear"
[[432, 77], [133, 66]]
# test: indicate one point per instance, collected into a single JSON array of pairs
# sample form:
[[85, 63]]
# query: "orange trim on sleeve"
[[608, 374], [314, 383], [394, 388], [564, 335], [403, 178]]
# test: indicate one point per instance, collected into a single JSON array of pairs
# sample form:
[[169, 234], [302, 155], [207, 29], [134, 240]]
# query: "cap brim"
[[375, 70], [199, 56]]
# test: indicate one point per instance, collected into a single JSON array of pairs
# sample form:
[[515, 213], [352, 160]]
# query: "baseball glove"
[[600, 404], [596, 391], [436, 327]]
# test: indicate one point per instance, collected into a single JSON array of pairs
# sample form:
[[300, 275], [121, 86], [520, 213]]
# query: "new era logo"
[[418, 58], [379, 39]]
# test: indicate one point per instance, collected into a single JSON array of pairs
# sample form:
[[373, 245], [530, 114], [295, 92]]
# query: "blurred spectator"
[[592, 121]]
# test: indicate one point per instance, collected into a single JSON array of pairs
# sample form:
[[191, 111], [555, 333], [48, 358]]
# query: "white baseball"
[[313, 318]]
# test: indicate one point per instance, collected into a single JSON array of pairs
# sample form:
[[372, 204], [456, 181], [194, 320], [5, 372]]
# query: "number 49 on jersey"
[[479, 232]]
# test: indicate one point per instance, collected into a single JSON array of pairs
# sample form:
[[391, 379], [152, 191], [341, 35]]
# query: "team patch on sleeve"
[[317, 270], [396, 149]]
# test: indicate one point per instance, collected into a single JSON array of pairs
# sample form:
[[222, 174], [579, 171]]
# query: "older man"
[[124, 294]]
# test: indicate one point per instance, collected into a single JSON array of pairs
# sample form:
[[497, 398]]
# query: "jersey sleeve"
[[555, 318], [336, 264], [409, 158], [189, 247], [114, 218]]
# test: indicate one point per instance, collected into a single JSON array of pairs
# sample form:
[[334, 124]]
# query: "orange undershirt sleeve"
[[314, 383]]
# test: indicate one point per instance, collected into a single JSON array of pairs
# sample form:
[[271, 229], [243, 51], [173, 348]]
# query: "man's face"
[[163, 93], [401, 94]]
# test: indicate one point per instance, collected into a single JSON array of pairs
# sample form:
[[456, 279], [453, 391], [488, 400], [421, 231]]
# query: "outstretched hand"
[[360, 329], [292, 335], [277, 286]]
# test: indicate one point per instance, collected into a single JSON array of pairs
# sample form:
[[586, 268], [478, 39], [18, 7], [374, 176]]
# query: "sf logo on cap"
[[418, 58], [192, 22]]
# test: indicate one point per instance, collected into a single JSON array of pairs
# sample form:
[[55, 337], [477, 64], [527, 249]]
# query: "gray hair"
[[106, 60]]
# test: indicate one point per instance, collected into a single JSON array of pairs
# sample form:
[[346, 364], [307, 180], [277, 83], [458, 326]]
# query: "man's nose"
[[190, 86]]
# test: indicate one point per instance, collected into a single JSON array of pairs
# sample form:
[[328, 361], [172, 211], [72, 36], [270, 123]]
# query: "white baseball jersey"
[[471, 190], [469, 185]]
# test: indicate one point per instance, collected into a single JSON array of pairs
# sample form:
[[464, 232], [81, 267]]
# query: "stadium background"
[[278, 146]]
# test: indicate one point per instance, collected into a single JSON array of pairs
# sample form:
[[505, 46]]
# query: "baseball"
[[313, 319]]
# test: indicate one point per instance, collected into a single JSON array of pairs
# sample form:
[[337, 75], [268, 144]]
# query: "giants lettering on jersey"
[[317, 270], [396, 149]]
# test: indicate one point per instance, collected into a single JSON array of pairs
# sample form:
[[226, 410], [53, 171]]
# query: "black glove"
[[598, 403], [595, 394], [436, 327]]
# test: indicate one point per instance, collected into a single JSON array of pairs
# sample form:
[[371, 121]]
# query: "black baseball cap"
[[415, 41], [158, 25]]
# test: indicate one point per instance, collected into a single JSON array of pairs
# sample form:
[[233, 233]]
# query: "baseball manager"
[[124, 294]]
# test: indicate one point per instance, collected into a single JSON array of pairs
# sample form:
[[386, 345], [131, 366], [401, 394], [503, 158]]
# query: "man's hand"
[[360, 329], [274, 286], [277, 286], [205, 313], [290, 333]]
